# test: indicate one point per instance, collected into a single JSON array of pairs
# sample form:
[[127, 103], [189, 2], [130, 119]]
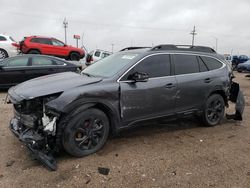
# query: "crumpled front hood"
[[50, 84]]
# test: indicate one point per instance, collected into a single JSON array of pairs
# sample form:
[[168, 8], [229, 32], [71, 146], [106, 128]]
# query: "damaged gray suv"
[[77, 112]]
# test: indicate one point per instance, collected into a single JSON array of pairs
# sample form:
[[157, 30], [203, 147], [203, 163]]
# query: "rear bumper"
[[35, 142]]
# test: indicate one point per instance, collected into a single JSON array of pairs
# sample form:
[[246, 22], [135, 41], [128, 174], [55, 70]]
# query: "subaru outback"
[[78, 112]]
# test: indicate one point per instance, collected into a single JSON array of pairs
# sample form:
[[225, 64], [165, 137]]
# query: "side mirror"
[[139, 77]]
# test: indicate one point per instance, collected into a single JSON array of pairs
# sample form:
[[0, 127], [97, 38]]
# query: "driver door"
[[152, 98]]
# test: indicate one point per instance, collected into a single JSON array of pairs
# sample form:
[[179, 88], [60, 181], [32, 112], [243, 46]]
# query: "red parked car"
[[50, 46]]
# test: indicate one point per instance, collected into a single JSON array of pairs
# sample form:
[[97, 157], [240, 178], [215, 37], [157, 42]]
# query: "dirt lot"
[[179, 154]]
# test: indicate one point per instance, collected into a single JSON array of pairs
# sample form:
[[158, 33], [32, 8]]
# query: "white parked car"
[[8, 47], [96, 55]]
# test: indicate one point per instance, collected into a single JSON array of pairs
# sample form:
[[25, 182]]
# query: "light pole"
[[193, 33], [216, 42], [65, 25]]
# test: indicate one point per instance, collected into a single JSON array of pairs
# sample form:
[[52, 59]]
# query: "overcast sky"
[[132, 22]]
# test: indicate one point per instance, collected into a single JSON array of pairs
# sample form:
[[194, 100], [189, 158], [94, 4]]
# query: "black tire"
[[74, 56], [239, 70], [214, 110], [86, 132], [33, 52], [3, 54]]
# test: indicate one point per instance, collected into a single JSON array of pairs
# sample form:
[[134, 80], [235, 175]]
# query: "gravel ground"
[[177, 154]]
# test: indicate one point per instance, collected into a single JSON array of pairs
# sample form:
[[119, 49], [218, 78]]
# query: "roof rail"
[[184, 48], [133, 48]]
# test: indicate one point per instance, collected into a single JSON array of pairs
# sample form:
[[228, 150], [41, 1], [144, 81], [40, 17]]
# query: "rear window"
[[211, 63], [12, 39]]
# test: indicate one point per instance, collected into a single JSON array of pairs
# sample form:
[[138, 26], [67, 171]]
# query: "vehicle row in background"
[[236, 60], [50, 46], [8, 47], [244, 67], [20, 68]]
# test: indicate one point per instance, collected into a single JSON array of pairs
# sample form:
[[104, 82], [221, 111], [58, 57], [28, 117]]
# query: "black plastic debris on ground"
[[103, 171]]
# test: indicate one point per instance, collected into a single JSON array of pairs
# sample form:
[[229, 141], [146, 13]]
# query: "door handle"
[[169, 86], [208, 80]]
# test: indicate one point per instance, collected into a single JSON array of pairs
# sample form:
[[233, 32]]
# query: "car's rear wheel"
[[3, 54], [74, 56], [214, 110], [85, 132], [33, 52]]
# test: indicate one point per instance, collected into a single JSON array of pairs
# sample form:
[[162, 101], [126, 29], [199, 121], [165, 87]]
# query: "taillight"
[[15, 44]]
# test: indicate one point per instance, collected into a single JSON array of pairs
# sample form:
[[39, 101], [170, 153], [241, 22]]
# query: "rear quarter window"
[[211, 63], [41, 61]]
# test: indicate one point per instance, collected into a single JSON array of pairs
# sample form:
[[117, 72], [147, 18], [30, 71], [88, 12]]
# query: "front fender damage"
[[236, 96]]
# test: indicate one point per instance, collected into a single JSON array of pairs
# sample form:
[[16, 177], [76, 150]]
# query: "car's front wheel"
[[86, 132], [214, 110], [3, 54]]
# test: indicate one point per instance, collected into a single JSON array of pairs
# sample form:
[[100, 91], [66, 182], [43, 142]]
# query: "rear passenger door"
[[193, 80], [41, 66]]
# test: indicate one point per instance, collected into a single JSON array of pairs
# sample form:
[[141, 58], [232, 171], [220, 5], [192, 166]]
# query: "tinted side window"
[[185, 64], [40, 61], [154, 66], [211, 63], [97, 53], [104, 55], [2, 38], [19, 62], [41, 41]]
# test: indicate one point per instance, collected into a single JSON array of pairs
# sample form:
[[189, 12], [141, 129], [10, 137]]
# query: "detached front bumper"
[[236, 96], [35, 142]]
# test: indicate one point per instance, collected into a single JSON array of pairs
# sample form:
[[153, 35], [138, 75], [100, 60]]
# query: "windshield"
[[110, 65]]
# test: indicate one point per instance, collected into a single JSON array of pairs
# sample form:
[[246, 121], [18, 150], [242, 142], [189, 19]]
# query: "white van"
[[96, 55]]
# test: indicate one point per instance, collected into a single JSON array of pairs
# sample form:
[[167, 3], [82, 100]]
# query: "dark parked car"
[[238, 60], [18, 69], [244, 67], [77, 112]]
